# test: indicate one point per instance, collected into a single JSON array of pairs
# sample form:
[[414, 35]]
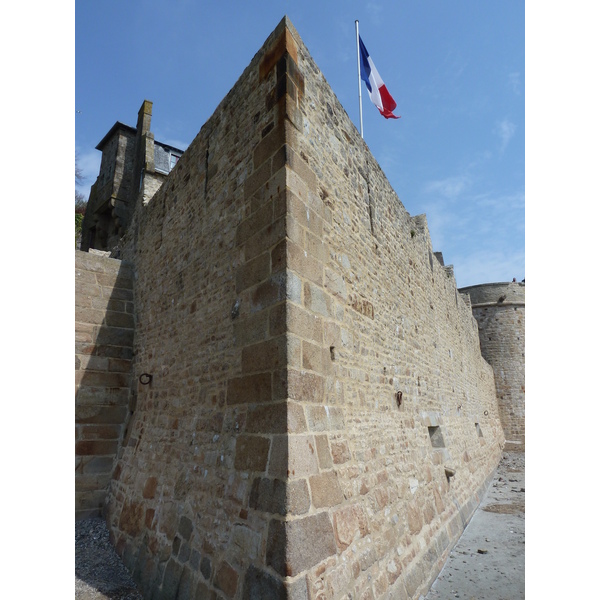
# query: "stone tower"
[[133, 165], [500, 312]]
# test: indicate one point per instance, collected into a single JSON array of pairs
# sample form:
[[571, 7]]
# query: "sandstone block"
[[268, 495], [99, 432], [325, 490], [278, 461], [226, 579], [251, 453], [150, 486], [350, 523], [277, 320], [302, 262], [119, 365], [414, 519], [100, 414], [115, 336], [312, 357], [335, 284], [267, 418], [250, 329], [269, 355], [249, 389], [96, 447], [273, 142], [324, 418], [89, 315], [301, 167], [265, 239], [302, 456], [258, 220], [245, 543], [279, 497], [304, 323], [263, 585], [171, 578], [118, 319], [253, 272], [323, 452], [98, 464], [305, 387], [258, 178], [132, 517], [316, 300], [104, 379], [268, 293], [340, 451], [295, 546]]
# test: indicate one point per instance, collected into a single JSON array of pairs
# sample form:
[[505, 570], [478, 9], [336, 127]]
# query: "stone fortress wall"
[[500, 312], [104, 325], [313, 416]]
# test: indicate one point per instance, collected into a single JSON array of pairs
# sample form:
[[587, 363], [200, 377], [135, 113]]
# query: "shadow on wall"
[[104, 325]]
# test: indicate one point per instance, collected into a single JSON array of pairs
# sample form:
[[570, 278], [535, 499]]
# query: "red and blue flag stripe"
[[379, 94]]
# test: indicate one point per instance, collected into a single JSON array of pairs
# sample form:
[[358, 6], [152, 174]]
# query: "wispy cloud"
[[489, 266], [480, 231], [505, 130], [171, 141], [514, 81], [89, 164], [444, 82], [375, 10], [450, 188]]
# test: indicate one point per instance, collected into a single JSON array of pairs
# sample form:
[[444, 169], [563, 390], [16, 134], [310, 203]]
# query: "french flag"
[[377, 91]]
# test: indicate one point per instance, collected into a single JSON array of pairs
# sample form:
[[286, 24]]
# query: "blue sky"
[[456, 70]]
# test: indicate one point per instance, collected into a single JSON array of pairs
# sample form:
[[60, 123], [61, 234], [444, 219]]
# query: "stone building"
[[131, 161], [307, 413], [500, 312]]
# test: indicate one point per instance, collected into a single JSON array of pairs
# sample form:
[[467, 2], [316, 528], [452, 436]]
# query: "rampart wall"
[[103, 352], [500, 312], [317, 420]]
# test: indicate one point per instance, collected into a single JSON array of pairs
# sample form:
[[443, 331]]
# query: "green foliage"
[[78, 222], [80, 206]]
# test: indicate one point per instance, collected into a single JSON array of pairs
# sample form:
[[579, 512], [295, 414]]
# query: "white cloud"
[[481, 234], [514, 80], [489, 266], [451, 187], [505, 131], [375, 11], [89, 163]]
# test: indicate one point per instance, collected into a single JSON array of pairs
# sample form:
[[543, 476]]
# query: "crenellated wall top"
[[496, 293]]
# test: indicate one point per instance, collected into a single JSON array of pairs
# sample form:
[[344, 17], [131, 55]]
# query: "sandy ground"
[[487, 563], [99, 572]]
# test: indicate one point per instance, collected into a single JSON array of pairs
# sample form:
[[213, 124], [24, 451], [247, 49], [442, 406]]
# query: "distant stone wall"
[[319, 421], [500, 312], [103, 352]]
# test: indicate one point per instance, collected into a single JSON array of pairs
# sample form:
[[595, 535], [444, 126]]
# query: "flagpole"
[[359, 85]]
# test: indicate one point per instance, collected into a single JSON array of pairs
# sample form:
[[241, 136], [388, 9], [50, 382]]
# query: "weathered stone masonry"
[[319, 420], [103, 352]]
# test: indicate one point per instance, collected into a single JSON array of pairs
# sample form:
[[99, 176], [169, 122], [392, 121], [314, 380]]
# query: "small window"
[[173, 161], [478, 429], [435, 435]]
